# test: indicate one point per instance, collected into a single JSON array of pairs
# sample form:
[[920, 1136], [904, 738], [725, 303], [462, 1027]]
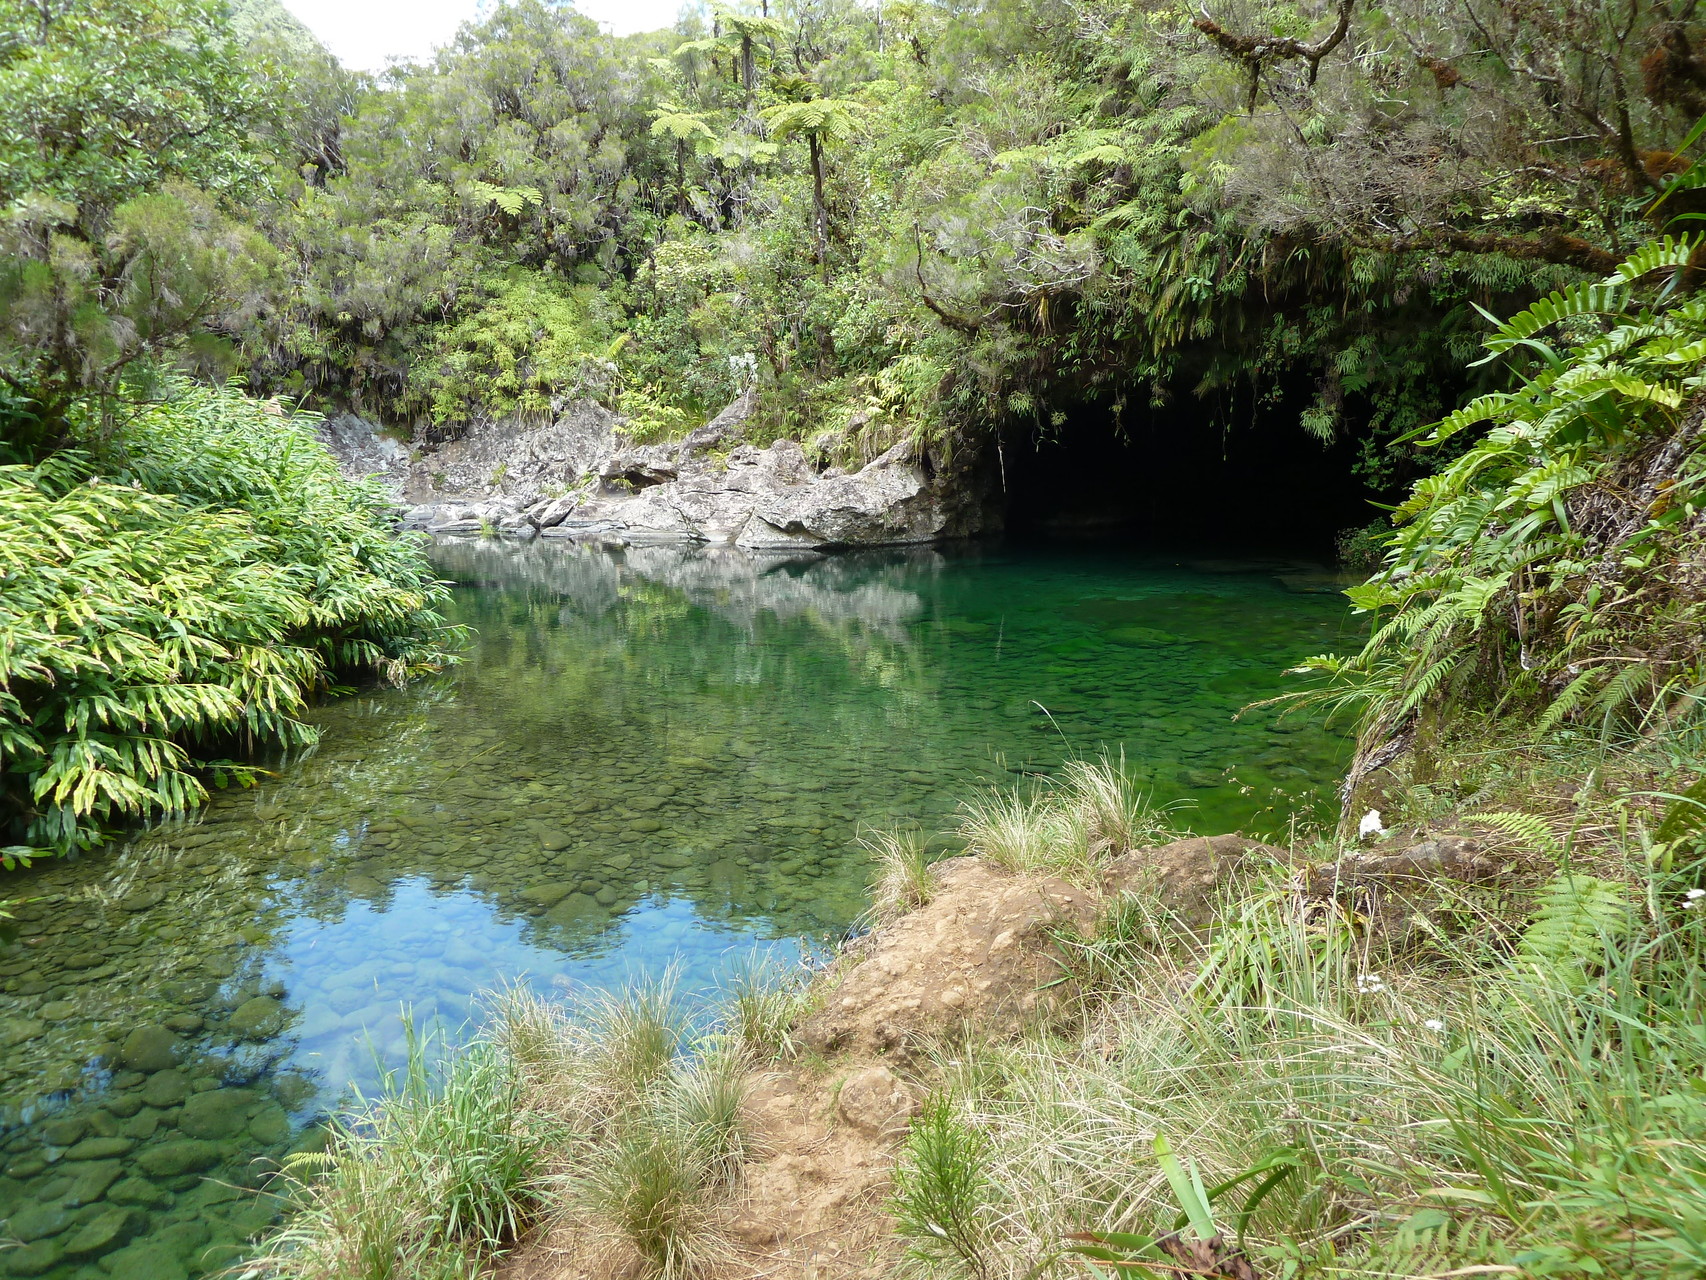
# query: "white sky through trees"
[[364, 34]]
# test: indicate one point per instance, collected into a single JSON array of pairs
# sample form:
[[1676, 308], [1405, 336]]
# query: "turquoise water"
[[656, 756]]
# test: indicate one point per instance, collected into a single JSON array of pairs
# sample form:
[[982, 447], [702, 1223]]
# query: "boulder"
[[105, 1232], [876, 1102], [33, 1259], [217, 1113], [183, 1155], [91, 1182], [166, 1088], [257, 1018], [550, 512], [1403, 895]]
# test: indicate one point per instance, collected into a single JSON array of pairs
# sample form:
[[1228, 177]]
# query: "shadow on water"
[[656, 755]]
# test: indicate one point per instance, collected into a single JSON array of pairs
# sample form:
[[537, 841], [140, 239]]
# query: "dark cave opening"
[[1181, 476]]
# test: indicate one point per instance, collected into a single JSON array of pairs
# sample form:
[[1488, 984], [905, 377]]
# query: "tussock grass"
[[762, 1002], [1071, 826], [1463, 1107], [904, 881], [447, 1166], [593, 1108]]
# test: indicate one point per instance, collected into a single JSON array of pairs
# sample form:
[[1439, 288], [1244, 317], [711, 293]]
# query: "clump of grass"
[[591, 1107], [1071, 826], [445, 1168], [627, 1041], [648, 1186], [762, 1002], [904, 880]]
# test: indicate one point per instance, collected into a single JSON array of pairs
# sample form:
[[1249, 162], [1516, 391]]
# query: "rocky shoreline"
[[581, 476]]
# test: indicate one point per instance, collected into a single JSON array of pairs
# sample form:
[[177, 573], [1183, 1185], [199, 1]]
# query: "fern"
[[1577, 920], [1500, 564]]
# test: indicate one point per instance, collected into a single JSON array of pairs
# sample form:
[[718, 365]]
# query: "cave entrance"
[[1179, 476]]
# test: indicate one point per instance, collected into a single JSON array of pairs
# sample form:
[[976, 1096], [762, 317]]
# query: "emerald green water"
[[651, 756]]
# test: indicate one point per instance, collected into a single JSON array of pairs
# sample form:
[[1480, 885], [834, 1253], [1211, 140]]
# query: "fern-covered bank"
[[175, 592]]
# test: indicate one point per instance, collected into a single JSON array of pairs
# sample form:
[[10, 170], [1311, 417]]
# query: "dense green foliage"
[[925, 222], [1553, 569], [929, 222], [175, 600]]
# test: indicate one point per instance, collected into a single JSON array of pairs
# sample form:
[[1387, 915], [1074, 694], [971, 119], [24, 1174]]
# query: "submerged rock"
[[149, 1049], [218, 1113]]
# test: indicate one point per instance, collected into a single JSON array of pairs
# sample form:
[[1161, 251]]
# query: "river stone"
[[149, 1049], [105, 1232], [556, 842], [142, 900], [38, 1222], [146, 1260], [58, 1010], [15, 1031], [123, 1105], [574, 910], [141, 1127], [546, 895], [138, 1191], [65, 1131], [605, 897], [166, 1088], [184, 1155], [99, 1148], [257, 1018], [32, 1259], [91, 1182], [218, 1113], [269, 1126], [187, 1023], [645, 825]]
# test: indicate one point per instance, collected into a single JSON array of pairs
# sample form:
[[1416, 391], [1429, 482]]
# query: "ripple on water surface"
[[652, 756]]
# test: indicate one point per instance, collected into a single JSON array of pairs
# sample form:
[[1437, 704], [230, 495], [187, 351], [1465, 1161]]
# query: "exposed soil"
[[826, 1127]]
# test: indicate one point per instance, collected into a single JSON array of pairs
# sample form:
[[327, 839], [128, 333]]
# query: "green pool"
[[655, 755]]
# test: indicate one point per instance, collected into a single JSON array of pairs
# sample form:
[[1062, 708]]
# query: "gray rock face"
[[580, 477], [362, 449]]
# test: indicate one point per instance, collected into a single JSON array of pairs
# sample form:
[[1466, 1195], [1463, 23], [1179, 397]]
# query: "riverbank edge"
[[1045, 945]]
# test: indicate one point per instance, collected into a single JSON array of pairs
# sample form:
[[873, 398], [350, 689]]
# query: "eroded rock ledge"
[[581, 477]]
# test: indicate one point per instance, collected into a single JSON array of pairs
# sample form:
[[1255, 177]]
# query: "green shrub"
[[180, 597], [532, 341]]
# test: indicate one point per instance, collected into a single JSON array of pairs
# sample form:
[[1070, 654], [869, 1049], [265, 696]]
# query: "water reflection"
[[655, 755]]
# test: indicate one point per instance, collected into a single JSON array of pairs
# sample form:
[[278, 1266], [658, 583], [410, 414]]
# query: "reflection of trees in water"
[[600, 638]]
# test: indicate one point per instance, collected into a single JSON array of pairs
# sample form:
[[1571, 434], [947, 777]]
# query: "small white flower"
[[1434, 1024], [1369, 983], [1692, 894], [1370, 825]]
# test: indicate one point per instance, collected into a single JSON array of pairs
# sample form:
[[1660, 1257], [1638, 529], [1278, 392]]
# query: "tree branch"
[[1253, 51]]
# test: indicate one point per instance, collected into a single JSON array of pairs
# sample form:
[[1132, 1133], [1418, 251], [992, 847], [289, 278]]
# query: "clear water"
[[659, 755]]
